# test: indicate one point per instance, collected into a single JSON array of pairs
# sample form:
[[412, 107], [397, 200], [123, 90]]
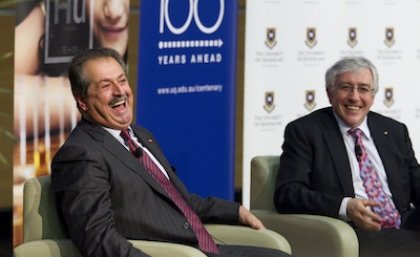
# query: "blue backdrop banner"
[[186, 88]]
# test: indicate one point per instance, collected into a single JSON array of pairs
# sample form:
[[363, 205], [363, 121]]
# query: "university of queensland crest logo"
[[389, 37], [389, 96], [311, 37], [270, 38], [269, 102], [310, 100], [352, 39]]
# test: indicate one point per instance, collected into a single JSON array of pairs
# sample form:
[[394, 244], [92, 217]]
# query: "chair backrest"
[[264, 171], [40, 217]]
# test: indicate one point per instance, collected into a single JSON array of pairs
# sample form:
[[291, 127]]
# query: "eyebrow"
[[110, 79], [358, 84]]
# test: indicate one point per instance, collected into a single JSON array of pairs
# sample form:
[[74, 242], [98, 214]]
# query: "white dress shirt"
[[374, 157], [116, 133]]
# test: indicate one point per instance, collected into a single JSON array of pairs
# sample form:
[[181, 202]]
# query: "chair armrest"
[[224, 234], [161, 249], [47, 248], [242, 235], [66, 248], [313, 235]]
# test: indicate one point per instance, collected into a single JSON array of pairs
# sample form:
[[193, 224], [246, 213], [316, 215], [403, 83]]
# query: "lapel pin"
[[150, 140], [385, 132]]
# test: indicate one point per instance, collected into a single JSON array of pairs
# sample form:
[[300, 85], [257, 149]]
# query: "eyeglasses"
[[349, 88]]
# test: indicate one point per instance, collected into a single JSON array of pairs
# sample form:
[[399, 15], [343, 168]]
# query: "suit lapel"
[[382, 139], [115, 148], [153, 147], [334, 140]]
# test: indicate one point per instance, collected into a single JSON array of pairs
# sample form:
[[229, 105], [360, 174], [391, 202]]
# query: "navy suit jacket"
[[105, 196], [315, 174]]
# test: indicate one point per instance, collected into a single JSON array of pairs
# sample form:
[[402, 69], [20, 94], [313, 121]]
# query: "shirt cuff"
[[342, 213]]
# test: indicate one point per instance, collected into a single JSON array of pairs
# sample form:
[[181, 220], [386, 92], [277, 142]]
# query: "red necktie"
[[205, 241], [373, 185]]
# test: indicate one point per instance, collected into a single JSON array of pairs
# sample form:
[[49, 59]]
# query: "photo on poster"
[[48, 33]]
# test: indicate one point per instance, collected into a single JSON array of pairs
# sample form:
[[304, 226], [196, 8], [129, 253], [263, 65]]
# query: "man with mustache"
[[348, 162], [112, 182]]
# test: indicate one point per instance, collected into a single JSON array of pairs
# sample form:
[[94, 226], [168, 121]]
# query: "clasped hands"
[[361, 214]]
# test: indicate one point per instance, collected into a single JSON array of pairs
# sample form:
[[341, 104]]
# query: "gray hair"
[[350, 64], [79, 80]]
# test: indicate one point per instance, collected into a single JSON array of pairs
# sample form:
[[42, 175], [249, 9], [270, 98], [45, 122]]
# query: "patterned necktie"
[[205, 241], [372, 184]]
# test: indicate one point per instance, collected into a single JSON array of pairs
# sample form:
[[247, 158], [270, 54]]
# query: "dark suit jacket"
[[105, 196], [315, 174]]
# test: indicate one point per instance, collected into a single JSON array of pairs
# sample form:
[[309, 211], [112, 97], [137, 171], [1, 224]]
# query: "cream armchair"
[[308, 235], [44, 235]]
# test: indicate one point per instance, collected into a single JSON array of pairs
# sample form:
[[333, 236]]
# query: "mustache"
[[117, 99]]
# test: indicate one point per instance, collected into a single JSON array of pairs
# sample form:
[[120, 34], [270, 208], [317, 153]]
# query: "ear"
[[81, 103], [330, 94]]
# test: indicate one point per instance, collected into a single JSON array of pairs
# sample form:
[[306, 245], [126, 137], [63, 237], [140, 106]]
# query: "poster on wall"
[[186, 88], [289, 45], [48, 34]]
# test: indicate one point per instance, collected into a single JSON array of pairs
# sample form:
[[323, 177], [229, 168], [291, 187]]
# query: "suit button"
[[186, 225]]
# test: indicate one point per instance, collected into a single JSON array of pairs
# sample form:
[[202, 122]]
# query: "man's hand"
[[360, 213], [247, 218]]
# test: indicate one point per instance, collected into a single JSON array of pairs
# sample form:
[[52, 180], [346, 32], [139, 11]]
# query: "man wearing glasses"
[[348, 162]]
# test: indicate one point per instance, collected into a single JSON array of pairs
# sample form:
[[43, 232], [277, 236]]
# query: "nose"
[[354, 93], [118, 89], [113, 9]]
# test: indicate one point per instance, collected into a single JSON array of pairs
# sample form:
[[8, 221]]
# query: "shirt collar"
[[344, 128], [116, 133]]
